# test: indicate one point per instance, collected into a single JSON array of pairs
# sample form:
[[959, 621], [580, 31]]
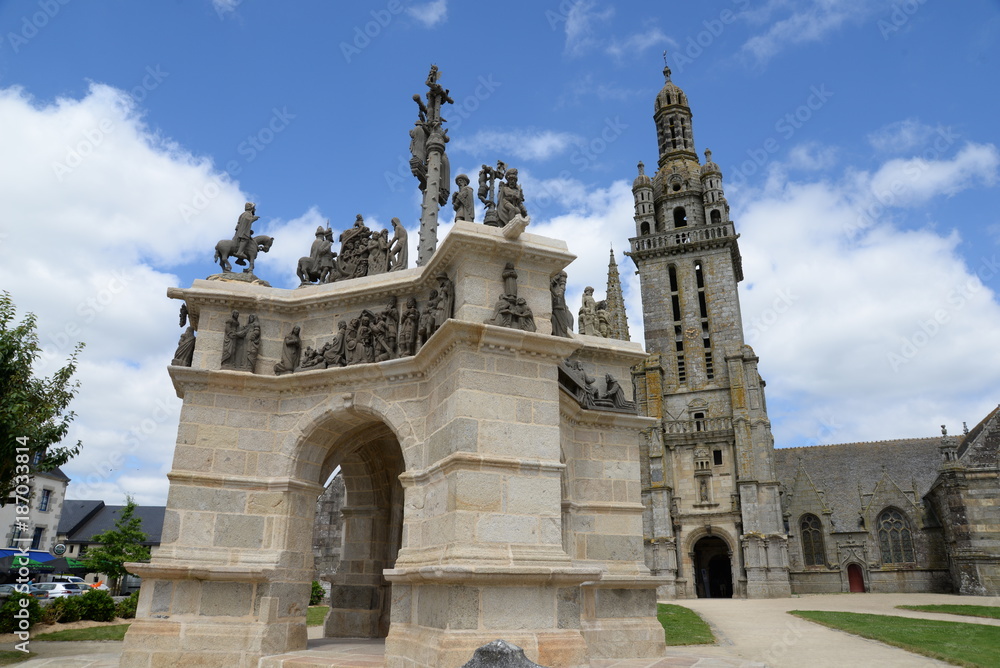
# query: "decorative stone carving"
[[290, 354], [240, 345], [588, 313], [429, 162], [462, 200], [408, 328], [603, 319], [511, 310], [226, 249], [573, 378], [398, 250], [185, 347], [244, 233], [183, 315], [425, 326], [509, 201], [318, 267], [562, 318], [445, 300]]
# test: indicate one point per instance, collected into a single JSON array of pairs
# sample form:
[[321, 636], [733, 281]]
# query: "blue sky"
[[857, 140]]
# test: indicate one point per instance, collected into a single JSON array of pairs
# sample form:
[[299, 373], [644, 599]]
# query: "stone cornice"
[[215, 573], [571, 412], [493, 575], [224, 481], [471, 461]]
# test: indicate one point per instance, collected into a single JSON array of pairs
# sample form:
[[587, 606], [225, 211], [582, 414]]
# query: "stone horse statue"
[[226, 249]]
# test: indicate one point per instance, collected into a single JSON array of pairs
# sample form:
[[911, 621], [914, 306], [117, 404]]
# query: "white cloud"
[[803, 22], [639, 42], [430, 13], [92, 261], [581, 20], [914, 181], [884, 335], [522, 144], [902, 136]]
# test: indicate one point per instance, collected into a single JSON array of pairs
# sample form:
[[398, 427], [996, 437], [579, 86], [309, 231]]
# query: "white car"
[[63, 589]]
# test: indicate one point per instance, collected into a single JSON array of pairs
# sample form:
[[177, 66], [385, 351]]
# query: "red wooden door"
[[856, 579]]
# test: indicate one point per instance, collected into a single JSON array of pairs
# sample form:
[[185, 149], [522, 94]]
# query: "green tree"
[[118, 546], [33, 411]]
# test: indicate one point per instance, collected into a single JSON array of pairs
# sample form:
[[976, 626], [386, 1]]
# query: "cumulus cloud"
[[902, 136], [430, 13], [93, 206], [880, 335]]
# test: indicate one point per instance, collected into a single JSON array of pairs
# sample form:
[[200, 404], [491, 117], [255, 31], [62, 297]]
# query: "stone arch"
[[368, 453], [714, 562]]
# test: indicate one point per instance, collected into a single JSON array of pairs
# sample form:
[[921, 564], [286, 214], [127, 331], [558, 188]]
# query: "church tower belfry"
[[713, 512]]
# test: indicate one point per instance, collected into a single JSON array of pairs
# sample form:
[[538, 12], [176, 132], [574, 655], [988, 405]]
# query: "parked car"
[[38, 593], [100, 586], [6, 590], [62, 589]]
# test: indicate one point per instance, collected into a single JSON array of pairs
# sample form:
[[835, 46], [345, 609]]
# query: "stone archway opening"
[[370, 461], [713, 568]]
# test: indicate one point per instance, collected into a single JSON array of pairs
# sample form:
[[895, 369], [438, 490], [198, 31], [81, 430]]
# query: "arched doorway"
[[713, 568], [855, 579], [370, 462]]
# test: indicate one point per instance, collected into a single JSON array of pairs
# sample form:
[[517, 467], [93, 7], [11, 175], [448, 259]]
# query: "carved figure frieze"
[[588, 313], [185, 348], [241, 344], [511, 310], [576, 380], [363, 252]]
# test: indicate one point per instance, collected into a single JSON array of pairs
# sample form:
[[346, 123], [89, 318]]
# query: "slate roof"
[[838, 470], [82, 520]]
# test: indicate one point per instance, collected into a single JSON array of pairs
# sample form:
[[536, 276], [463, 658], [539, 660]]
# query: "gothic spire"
[[616, 303]]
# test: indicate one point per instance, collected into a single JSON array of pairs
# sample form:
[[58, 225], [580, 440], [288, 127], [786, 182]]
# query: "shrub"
[[317, 594], [9, 623], [65, 610], [126, 607], [97, 605]]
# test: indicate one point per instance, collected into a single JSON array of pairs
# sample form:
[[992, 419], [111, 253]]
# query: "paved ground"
[[750, 634]]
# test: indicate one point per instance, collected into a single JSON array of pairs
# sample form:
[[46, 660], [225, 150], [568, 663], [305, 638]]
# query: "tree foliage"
[[33, 411], [118, 546]]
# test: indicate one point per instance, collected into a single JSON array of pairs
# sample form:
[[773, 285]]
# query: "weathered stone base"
[[197, 642], [410, 646]]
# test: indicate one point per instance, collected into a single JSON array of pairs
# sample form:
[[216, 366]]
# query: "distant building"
[[727, 514], [48, 492], [82, 520]]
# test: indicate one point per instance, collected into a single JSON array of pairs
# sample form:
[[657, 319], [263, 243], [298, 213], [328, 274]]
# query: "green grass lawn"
[[992, 612], [316, 615], [962, 644], [683, 626], [8, 657], [113, 632]]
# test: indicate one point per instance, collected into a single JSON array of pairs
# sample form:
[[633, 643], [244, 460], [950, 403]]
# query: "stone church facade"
[[727, 514]]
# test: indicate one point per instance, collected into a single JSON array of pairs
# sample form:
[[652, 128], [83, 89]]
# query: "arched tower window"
[[680, 217], [644, 228], [895, 538], [811, 535], [716, 216]]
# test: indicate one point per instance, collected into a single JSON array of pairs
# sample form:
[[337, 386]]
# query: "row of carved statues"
[[363, 252], [368, 337]]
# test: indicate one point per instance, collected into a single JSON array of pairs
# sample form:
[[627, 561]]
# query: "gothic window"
[[680, 217], [811, 535], [895, 539], [716, 216], [644, 228]]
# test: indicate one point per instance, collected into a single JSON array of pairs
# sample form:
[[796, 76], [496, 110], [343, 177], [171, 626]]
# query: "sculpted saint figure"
[[509, 276], [398, 252], [562, 318], [244, 232], [588, 313], [290, 354], [462, 199], [355, 351], [251, 334], [311, 358], [230, 339], [446, 300], [408, 328], [510, 199], [425, 327], [603, 319], [523, 315], [391, 317], [336, 354], [185, 348]]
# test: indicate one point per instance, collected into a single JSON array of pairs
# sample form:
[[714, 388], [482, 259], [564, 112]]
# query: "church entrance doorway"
[[855, 579], [713, 568]]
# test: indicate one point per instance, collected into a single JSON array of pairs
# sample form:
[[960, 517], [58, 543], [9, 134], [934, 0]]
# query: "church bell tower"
[[713, 517]]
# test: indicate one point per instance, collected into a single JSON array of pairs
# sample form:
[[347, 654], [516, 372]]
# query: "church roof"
[[845, 471]]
